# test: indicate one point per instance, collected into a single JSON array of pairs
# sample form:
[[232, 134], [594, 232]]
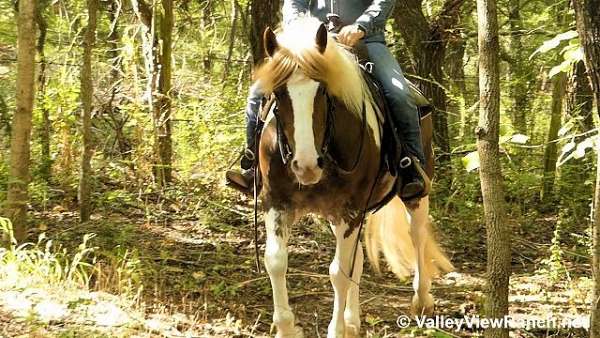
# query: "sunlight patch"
[[109, 314], [16, 302], [49, 310]]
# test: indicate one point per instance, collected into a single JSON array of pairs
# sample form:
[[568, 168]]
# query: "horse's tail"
[[388, 231]]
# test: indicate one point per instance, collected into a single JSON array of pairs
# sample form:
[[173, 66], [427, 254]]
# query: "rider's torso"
[[347, 10]]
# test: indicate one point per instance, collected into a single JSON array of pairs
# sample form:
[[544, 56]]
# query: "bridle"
[[286, 152]]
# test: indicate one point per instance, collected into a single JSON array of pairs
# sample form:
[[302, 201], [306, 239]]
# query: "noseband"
[[285, 150]]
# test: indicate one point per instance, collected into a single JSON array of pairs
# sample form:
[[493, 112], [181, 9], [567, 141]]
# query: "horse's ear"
[[321, 38], [270, 42]]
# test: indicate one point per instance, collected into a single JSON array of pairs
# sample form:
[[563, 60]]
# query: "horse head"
[[304, 71], [301, 112]]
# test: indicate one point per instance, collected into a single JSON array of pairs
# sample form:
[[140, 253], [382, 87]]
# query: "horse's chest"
[[332, 197]]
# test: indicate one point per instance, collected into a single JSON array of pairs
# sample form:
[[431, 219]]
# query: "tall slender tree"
[[162, 110], [521, 79], [44, 130], [21, 125], [232, 37], [87, 93], [551, 150], [490, 173], [587, 15], [579, 97], [113, 110], [559, 85], [157, 49]]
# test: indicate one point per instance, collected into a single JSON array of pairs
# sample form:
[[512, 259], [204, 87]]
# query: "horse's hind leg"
[[276, 260], [345, 321], [422, 302]]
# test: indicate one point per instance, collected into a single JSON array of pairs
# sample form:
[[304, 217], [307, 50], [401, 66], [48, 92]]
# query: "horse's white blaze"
[[345, 320], [302, 92]]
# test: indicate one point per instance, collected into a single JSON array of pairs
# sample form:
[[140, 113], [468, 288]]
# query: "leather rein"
[[285, 150]]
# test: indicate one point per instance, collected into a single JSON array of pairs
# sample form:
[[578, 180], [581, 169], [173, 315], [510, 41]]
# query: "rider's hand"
[[349, 35]]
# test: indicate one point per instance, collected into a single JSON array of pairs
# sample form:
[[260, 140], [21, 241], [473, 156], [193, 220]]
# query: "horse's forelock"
[[335, 66]]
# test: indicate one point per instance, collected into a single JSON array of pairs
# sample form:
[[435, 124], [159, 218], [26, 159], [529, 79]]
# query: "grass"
[[42, 264], [50, 291]]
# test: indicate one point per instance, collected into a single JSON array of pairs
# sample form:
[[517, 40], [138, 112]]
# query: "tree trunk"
[[550, 152], [4, 121], [232, 36], [87, 93], [157, 61], [490, 172], [587, 15], [21, 125], [44, 132], [263, 14], [456, 71], [518, 72], [117, 117], [579, 101], [145, 15], [427, 41], [162, 111]]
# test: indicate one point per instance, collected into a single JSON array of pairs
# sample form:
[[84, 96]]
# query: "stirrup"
[[405, 162], [248, 160]]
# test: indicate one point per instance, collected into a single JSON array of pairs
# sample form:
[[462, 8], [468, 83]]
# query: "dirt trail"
[[199, 280]]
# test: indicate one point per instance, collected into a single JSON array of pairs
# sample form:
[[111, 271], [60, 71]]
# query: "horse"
[[320, 153]]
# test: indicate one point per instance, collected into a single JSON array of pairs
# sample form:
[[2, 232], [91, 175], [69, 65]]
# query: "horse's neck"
[[348, 127]]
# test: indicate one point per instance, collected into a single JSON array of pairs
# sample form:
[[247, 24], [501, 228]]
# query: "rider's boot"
[[243, 180], [414, 183]]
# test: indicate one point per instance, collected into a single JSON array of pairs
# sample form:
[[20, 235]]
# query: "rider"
[[358, 19]]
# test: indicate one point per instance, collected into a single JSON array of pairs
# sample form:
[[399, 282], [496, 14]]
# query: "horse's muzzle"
[[307, 174]]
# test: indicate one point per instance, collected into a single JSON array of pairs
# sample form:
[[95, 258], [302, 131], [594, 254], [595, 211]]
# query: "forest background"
[[157, 118]]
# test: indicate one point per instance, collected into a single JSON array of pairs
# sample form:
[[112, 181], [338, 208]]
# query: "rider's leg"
[[244, 179], [403, 111], [252, 109]]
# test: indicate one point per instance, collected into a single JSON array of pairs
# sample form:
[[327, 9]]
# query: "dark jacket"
[[370, 15]]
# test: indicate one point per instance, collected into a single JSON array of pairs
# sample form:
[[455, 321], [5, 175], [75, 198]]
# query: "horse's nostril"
[[320, 162], [295, 165]]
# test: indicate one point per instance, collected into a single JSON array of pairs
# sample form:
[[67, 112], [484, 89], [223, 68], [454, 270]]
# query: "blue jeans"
[[395, 89], [252, 109], [397, 94]]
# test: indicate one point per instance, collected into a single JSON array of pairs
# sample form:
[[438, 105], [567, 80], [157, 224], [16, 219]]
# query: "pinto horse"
[[320, 153]]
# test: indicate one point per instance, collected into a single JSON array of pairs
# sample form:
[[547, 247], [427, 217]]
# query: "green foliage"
[[555, 263], [571, 53], [554, 42], [576, 150]]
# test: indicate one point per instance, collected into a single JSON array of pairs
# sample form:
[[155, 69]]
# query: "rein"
[[285, 150]]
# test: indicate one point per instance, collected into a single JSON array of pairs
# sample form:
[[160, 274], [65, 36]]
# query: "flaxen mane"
[[336, 66]]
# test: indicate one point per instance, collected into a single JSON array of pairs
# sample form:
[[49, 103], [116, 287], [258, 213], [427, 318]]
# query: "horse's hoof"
[[352, 331], [422, 307], [295, 333]]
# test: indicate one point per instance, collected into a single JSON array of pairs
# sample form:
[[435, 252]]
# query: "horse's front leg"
[[345, 321], [276, 261], [422, 302]]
